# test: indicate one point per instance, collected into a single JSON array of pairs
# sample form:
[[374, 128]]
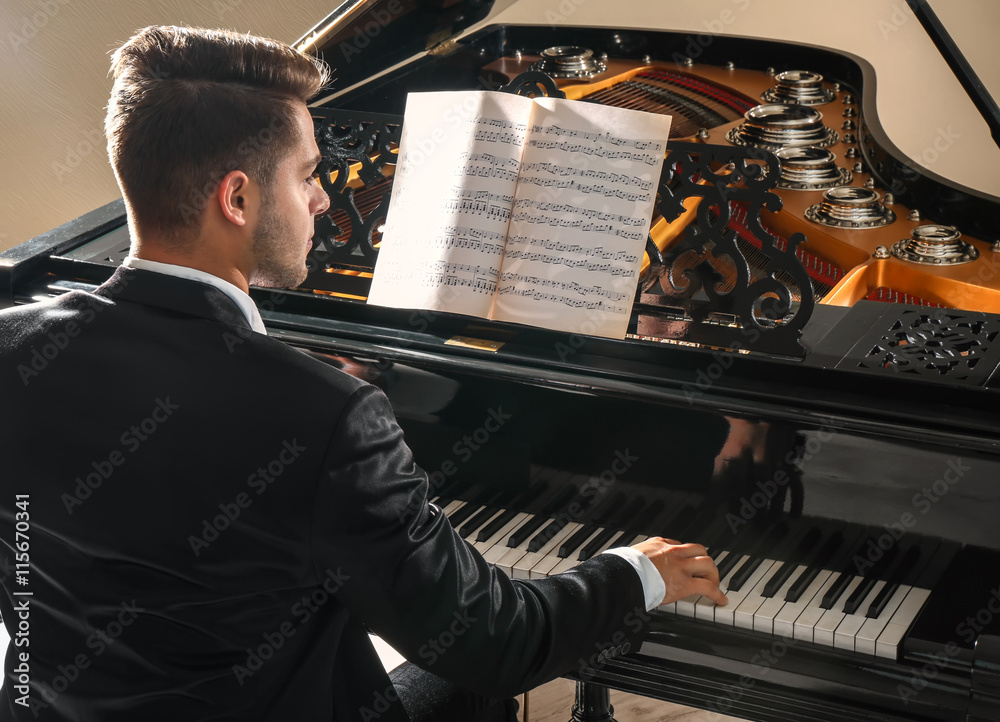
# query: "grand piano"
[[808, 385]]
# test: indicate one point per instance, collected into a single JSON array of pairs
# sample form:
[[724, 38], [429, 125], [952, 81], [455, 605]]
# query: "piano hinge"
[[479, 344], [444, 47]]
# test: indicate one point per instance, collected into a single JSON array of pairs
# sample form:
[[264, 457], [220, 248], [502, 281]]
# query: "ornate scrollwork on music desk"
[[706, 275], [346, 236]]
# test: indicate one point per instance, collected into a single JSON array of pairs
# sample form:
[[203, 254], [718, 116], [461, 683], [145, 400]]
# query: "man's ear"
[[232, 197]]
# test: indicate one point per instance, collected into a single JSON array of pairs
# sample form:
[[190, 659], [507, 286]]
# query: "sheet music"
[[451, 201], [580, 218]]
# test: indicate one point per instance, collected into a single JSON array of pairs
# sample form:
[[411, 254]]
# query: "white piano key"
[[454, 506], [763, 618], [522, 569], [848, 629], [806, 612], [888, 642], [744, 613], [864, 642], [510, 557], [827, 624], [499, 547], [726, 615], [704, 608]]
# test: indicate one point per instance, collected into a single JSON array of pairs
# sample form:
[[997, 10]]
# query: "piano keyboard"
[[829, 587]]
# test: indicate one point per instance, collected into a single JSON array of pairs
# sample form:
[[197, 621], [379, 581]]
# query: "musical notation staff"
[[568, 170], [529, 284], [649, 159], [475, 277], [599, 137], [487, 165], [599, 189], [484, 202], [477, 239]]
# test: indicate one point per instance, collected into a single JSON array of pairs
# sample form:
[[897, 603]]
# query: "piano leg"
[[593, 704]]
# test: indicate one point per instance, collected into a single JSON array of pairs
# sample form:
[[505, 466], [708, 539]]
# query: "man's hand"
[[686, 569]]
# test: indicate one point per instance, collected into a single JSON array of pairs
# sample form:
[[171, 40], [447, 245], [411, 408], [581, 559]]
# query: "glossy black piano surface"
[[860, 460]]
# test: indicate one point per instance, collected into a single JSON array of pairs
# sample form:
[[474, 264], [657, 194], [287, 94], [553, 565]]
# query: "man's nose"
[[322, 200]]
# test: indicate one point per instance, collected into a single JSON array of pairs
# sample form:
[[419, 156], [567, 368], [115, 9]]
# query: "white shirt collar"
[[241, 299]]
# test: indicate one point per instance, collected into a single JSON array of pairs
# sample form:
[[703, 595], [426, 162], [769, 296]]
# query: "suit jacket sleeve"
[[414, 581]]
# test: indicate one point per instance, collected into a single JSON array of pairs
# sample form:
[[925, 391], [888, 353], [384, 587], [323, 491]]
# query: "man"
[[210, 519]]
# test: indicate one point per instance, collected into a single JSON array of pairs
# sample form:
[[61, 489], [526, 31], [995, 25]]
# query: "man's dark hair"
[[190, 105]]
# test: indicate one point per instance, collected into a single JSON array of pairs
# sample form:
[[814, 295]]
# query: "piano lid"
[[918, 100]]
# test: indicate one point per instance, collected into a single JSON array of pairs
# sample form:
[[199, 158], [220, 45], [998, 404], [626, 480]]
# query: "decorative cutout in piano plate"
[[947, 345]]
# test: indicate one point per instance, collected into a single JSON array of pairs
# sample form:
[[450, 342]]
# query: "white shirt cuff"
[[652, 583]]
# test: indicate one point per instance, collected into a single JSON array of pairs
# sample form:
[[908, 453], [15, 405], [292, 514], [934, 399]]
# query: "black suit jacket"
[[213, 517]]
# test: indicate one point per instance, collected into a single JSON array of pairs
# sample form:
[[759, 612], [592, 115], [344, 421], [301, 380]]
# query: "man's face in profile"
[[284, 229]]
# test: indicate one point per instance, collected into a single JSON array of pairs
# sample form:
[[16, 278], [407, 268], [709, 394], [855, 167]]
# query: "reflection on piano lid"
[[847, 487]]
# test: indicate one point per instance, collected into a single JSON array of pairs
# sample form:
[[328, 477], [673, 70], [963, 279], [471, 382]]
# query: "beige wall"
[[54, 83]]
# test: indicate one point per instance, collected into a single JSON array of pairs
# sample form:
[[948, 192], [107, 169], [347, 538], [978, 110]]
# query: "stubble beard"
[[280, 256]]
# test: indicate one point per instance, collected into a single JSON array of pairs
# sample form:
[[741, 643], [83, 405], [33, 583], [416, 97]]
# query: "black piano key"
[[836, 589], [478, 519], [807, 543], [548, 531], [576, 539], [604, 511], [881, 599], [829, 556], [460, 515], [727, 564], [636, 526], [497, 524], [772, 543], [915, 556], [870, 578], [745, 572], [521, 502], [618, 520], [531, 526], [596, 543], [801, 584], [625, 539], [788, 567]]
